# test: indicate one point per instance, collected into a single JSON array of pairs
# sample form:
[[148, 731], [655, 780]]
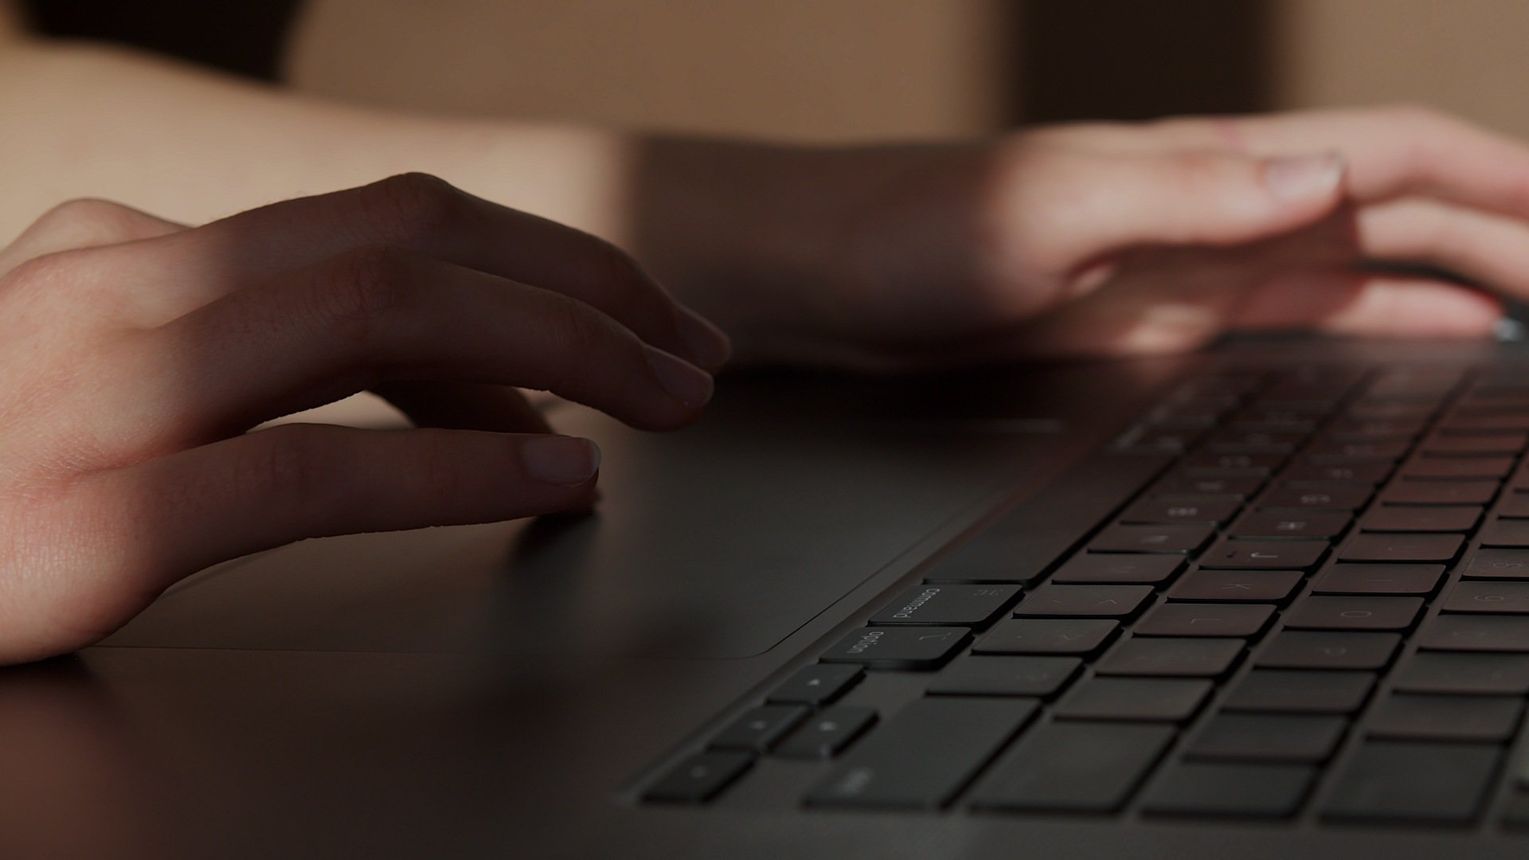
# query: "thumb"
[[1201, 199]]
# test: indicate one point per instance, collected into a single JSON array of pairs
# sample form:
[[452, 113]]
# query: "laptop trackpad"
[[715, 542]]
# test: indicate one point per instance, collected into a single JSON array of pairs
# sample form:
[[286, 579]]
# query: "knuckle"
[[287, 468], [87, 221], [410, 205]]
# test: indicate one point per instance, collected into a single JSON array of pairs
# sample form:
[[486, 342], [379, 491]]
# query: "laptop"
[[1264, 600]]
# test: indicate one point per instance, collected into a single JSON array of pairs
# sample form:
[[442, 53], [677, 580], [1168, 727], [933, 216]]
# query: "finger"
[[464, 406], [1486, 248], [1093, 206], [297, 481], [374, 317], [1359, 303], [429, 217], [85, 223]]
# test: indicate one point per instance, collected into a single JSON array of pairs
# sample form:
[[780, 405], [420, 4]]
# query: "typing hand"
[[1158, 237], [138, 353]]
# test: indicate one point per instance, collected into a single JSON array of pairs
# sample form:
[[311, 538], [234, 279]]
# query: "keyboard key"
[[1268, 737], [1182, 509], [1113, 568], [1135, 699], [1236, 790], [1466, 674], [1498, 564], [1282, 691], [923, 755], [1046, 636], [1084, 601], [817, 684], [1493, 597], [1439, 492], [1376, 450], [1378, 579], [1236, 586], [1398, 547], [899, 647], [1073, 767], [1170, 657], [1006, 676], [827, 733], [1508, 533], [1181, 483], [1365, 473], [1502, 444], [1462, 468], [1264, 555], [1354, 613], [1514, 505], [1160, 538], [1318, 495], [1262, 463], [950, 605], [1307, 649], [1199, 619], [699, 778], [759, 728], [1413, 782], [1508, 633], [1421, 518], [1491, 719], [1291, 523]]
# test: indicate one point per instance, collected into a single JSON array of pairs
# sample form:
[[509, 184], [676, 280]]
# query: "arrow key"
[[1264, 555], [1235, 586]]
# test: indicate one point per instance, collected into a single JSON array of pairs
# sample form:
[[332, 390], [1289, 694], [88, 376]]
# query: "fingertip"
[[1304, 179], [567, 461], [1419, 309], [708, 346]]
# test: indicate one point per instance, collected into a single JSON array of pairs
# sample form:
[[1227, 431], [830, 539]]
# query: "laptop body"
[[576, 686]]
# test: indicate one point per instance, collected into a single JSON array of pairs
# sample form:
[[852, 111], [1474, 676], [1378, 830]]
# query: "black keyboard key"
[[1514, 505], [1182, 509], [1268, 737], [1259, 463], [1006, 676], [1318, 495], [827, 733], [1084, 601], [1421, 518], [949, 605], [1291, 523], [1234, 790], [1461, 468], [1398, 547], [1366, 473], [899, 647], [759, 728], [1160, 538], [1073, 767], [1172, 657], [923, 755], [1203, 619], [1294, 692], [1046, 636], [1311, 649], [817, 684], [1264, 555], [1377, 450], [699, 778], [1119, 569], [1488, 597], [1506, 633], [1455, 673], [1134, 699], [1181, 483], [1236, 586], [1413, 782], [1378, 579], [1506, 533], [1439, 492], [1354, 613], [1489, 719], [1498, 564], [1501, 444]]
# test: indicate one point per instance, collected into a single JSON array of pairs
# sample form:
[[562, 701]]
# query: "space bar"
[[924, 755], [1027, 541]]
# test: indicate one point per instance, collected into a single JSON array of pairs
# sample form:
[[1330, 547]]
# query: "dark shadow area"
[[1129, 60]]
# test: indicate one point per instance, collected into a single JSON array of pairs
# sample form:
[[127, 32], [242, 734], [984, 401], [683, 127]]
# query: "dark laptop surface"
[[1269, 599]]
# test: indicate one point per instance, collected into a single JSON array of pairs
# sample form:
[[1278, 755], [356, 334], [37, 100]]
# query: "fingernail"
[[705, 342], [565, 460], [684, 381], [1304, 177]]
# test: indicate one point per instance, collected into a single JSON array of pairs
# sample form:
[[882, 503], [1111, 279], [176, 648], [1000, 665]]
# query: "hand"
[[1150, 238], [138, 353]]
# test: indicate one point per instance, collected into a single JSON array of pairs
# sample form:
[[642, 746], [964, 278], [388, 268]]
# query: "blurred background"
[[834, 70]]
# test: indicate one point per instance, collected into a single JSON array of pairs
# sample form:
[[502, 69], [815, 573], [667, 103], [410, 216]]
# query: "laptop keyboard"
[[1317, 610]]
